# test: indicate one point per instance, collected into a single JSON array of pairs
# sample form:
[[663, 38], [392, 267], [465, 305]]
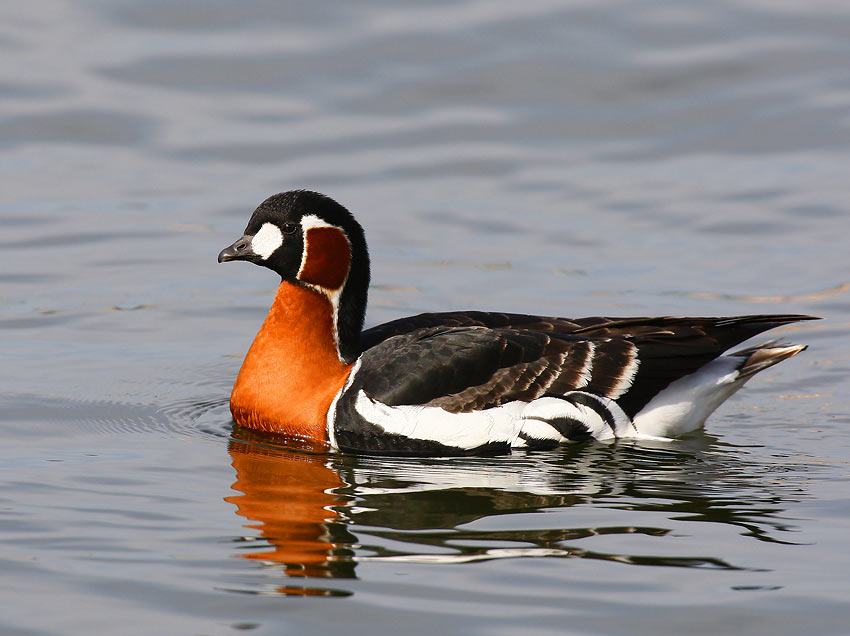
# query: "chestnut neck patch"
[[327, 258]]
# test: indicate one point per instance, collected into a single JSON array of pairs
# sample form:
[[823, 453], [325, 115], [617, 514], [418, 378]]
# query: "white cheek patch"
[[267, 240]]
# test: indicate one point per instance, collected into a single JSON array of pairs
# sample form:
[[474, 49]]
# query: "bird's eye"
[[289, 228]]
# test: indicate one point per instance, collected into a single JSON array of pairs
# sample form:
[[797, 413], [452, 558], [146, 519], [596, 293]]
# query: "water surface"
[[567, 158]]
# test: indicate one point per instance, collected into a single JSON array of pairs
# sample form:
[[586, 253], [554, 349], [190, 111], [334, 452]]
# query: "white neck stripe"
[[308, 222]]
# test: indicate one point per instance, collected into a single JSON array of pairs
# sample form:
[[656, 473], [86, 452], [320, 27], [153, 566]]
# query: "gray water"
[[569, 158]]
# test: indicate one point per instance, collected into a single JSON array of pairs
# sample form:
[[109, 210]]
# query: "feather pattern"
[[593, 375], [628, 359], [463, 382]]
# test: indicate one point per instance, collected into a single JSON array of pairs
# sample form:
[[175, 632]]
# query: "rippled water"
[[569, 158]]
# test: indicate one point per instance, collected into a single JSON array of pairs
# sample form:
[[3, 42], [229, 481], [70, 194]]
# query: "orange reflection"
[[290, 497]]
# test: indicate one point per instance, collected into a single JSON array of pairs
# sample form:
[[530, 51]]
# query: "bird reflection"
[[289, 497], [422, 510]]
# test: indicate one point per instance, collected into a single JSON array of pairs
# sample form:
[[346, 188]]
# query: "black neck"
[[352, 302]]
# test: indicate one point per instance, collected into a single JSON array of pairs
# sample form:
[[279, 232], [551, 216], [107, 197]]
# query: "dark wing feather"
[[430, 364], [492, 320], [670, 348], [735, 329], [462, 369], [463, 361]]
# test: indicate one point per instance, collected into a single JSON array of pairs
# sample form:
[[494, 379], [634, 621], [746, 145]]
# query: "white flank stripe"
[[499, 424], [627, 377], [431, 423], [551, 408], [538, 429]]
